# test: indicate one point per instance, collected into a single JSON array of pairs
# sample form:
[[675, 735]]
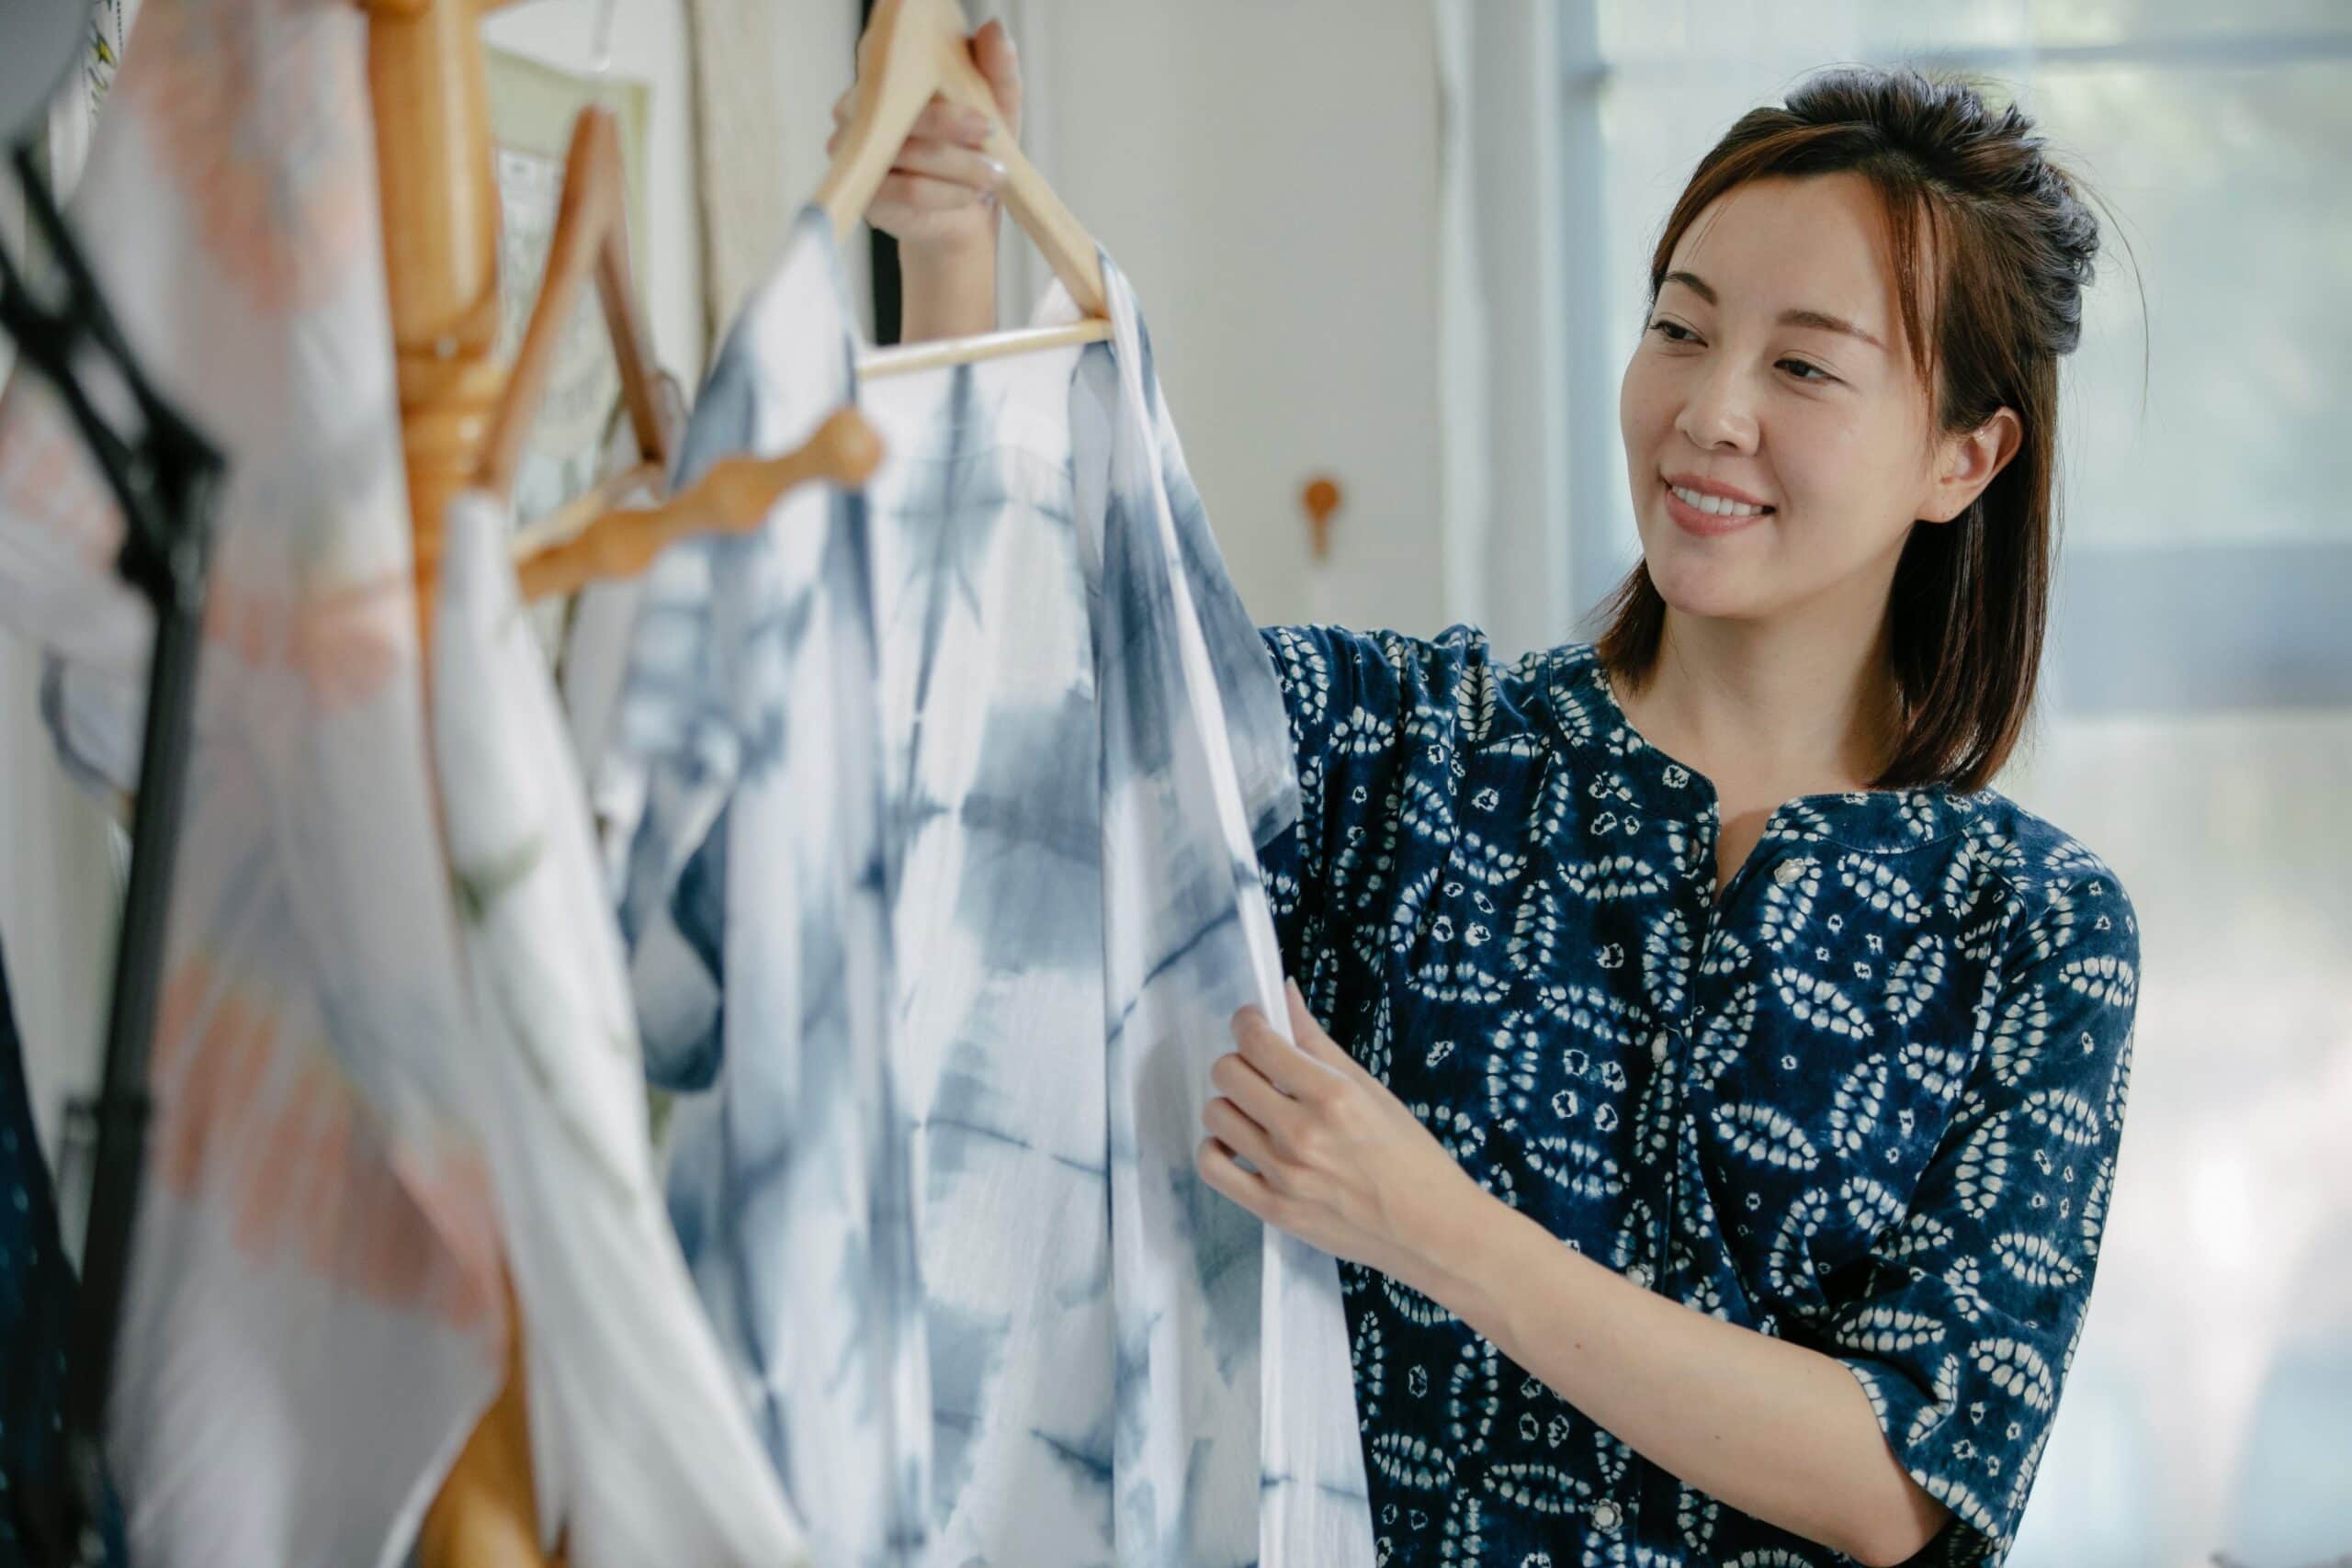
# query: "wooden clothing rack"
[[429, 82], [430, 86], [464, 415]]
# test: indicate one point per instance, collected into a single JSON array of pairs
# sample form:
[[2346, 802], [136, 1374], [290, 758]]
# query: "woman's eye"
[[1673, 331], [1805, 372]]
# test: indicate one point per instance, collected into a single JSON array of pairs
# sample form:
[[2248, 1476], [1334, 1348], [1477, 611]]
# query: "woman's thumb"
[[999, 63]]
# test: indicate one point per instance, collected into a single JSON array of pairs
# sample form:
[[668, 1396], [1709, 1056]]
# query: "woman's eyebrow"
[[1830, 324], [1691, 281], [1820, 319]]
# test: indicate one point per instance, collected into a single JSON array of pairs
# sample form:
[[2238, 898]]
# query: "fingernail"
[[996, 169]]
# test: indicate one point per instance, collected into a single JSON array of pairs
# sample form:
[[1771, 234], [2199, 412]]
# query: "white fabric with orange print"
[[311, 1325]]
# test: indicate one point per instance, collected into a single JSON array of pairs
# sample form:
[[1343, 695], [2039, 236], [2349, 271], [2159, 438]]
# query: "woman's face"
[[1776, 430]]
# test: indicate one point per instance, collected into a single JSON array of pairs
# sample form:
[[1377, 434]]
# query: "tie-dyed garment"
[[311, 1322], [639, 1445], [754, 906], [1869, 1103], [1077, 734], [1086, 740]]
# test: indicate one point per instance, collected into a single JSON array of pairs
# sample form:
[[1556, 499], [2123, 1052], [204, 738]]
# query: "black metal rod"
[[124, 1106], [166, 477]]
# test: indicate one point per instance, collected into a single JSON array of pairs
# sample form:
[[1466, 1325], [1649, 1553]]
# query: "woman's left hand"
[[1341, 1163]]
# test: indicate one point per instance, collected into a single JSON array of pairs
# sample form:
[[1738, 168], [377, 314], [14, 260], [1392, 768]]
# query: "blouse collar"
[[1586, 713]]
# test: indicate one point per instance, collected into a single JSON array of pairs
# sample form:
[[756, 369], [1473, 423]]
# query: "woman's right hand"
[[939, 199]]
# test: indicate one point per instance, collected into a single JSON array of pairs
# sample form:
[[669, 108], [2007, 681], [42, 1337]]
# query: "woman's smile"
[[1705, 510]]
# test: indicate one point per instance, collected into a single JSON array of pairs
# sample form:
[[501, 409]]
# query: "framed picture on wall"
[[532, 107]]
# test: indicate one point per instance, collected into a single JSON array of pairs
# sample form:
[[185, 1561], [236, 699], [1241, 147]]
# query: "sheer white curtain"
[[1504, 279]]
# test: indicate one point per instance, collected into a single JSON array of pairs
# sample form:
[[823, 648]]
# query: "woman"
[[1706, 951]]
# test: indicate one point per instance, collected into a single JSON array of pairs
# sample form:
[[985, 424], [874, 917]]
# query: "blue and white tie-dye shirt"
[[940, 889], [1869, 1102]]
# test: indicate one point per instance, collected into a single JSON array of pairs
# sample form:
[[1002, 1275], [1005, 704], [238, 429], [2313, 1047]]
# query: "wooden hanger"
[[575, 545], [592, 537], [590, 236], [428, 88], [912, 49]]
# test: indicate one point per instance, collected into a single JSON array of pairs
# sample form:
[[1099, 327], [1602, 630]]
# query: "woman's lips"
[[1705, 525]]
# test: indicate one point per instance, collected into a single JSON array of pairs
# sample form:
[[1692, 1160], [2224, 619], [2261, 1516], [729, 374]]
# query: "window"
[[2209, 539]]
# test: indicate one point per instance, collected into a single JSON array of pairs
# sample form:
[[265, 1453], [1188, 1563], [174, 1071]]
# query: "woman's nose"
[[1717, 416]]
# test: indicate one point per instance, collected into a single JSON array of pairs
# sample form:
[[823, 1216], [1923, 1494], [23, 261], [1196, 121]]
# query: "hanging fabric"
[[311, 1325], [1080, 741], [60, 864], [639, 1448], [751, 765]]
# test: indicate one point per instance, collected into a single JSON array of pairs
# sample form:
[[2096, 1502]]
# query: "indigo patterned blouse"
[[1869, 1102]]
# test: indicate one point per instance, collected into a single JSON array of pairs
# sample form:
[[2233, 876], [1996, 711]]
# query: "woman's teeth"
[[1716, 504]]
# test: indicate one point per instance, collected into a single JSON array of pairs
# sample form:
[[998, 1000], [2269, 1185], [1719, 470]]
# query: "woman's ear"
[[1969, 463]]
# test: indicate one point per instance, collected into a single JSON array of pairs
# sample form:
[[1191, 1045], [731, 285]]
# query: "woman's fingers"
[[993, 52], [1296, 1072], [946, 123], [933, 158], [1259, 1101], [922, 193], [1218, 1167], [958, 165], [1237, 1131], [941, 186], [940, 121], [1312, 1037]]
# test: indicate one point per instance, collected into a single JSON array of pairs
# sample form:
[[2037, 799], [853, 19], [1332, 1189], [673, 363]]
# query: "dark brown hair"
[[2012, 245]]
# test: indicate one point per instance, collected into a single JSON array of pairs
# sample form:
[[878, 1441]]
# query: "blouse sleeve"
[[1964, 1319], [1367, 713], [1320, 674]]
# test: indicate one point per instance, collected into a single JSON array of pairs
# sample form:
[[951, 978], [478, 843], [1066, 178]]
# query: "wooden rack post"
[[431, 89], [440, 202], [440, 215]]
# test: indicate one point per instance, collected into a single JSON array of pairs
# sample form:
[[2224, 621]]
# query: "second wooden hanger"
[[912, 49]]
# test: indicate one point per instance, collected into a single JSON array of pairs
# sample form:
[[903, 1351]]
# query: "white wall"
[[1266, 172], [815, 51]]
